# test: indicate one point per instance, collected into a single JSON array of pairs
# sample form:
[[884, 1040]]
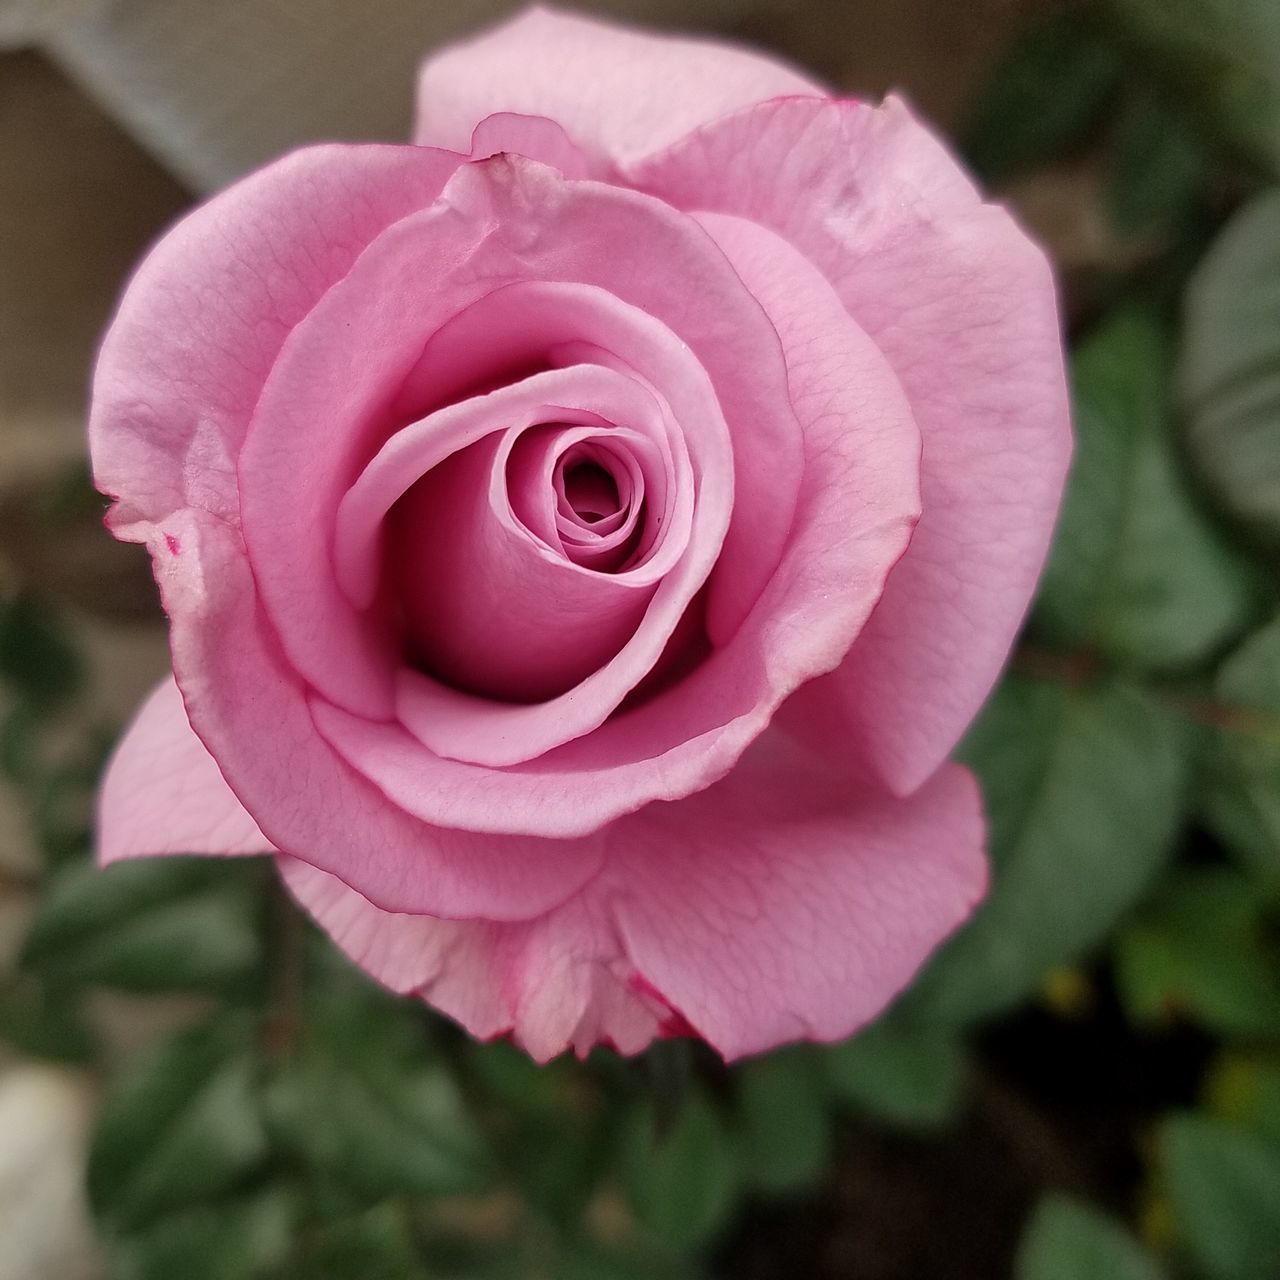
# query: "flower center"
[[590, 492]]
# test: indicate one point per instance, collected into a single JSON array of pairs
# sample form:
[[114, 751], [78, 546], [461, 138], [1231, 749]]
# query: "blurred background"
[[1083, 1085]]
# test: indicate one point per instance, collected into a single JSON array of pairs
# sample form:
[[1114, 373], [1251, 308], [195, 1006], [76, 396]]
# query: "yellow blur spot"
[[1068, 992], [1157, 1223], [1231, 1091]]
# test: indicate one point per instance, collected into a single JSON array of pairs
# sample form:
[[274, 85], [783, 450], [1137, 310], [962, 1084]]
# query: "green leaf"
[[452, 1259], [580, 1260], [374, 1245], [160, 924], [1084, 787], [535, 1257], [20, 726], [1222, 57], [181, 1128], [682, 1184], [1136, 570], [559, 1164], [518, 1083], [1224, 1188], [1230, 367], [1240, 789], [1243, 1091], [557, 1135], [1042, 100], [1158, 166], [236, 1239], [1199, 949], [783, 1127], [367, 1111], [36, 657], [910, 1077], [1068, 1240], [62, 805], [40, 1020]]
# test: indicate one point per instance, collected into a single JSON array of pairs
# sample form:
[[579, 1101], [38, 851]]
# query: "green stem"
[[286, 973]]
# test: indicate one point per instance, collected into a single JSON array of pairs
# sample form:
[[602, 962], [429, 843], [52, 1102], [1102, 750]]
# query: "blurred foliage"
[[1053, 89], [1231, 366], [1085, 781], [1066, 1240], [303, 1124], [1138, 574], [1223, 56]]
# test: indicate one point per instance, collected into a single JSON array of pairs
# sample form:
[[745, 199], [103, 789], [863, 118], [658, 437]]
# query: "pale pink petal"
[[554, 983], [617, 93], [204, 317], [163, 793], [781, 904], [961, 303], [408, 952], [532, 136], [251, 711]]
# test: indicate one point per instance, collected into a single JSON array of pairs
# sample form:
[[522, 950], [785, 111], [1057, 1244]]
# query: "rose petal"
[[854, 518], [726, 332], [782, 903], [551, 981], [652, 272], [781, 906], [204, 318], [464, 727], [579, 393], [306, 800], [532, 136], [163, 793], [490, 609], [961, 303], [610, 542], [617, 93]]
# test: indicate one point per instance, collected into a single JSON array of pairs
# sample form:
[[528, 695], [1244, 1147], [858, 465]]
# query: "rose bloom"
[[586, 532]]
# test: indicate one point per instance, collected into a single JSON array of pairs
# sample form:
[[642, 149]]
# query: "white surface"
[[45, 1115]]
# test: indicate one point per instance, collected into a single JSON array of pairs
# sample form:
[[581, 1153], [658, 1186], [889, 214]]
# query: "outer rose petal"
[[554, 982], [163, 793], [962, 305], [617, 93], [781, 907], [206, 314], [781, 903]]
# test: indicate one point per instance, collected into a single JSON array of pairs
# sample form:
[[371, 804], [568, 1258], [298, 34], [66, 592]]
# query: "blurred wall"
[[215, 89]]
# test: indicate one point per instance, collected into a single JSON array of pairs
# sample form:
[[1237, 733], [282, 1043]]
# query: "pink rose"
[[586, 533]]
